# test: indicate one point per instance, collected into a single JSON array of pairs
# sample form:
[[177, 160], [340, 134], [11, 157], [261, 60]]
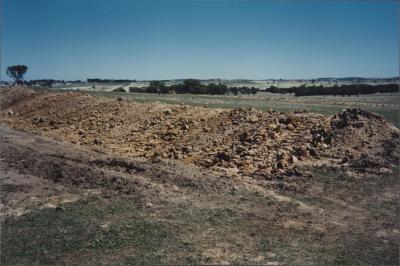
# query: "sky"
[[170, 39]]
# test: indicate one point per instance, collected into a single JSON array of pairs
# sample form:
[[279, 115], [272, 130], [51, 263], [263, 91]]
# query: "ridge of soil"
[[245, 141]]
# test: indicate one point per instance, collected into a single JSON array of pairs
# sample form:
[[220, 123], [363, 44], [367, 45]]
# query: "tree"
[[234, 90], [214, 89], [254, 90], [193, 86], [157, 87], [17, 72]]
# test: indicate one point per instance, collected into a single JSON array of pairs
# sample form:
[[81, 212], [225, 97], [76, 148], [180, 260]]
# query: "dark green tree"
[[234, 90], [156, 87], [17, 72], [193, 86], [254, 90], [214, 89]]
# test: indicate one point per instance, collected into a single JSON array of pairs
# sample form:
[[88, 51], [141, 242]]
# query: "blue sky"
[[166, 39]]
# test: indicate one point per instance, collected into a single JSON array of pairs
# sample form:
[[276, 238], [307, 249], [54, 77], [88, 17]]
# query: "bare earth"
[[227, 186]]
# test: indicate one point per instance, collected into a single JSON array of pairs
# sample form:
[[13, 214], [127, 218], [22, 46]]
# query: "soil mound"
[[365, 136], [245, 141], [10, 96]]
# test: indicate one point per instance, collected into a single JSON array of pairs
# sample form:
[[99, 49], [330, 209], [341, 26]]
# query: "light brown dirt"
[[243, 141]]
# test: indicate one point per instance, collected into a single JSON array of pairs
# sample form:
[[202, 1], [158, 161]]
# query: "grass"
[[386, 105], [359, 246], [150, 259], [238, 227], [142, 234], [366, 251], [77, 234]]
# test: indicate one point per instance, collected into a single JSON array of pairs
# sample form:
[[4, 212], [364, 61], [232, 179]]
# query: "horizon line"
[[204, 79]]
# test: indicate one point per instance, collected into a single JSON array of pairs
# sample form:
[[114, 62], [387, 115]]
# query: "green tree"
[[193, 86], [156, 87], [234, 90], [214, 89], [254, 90], [17, 72]]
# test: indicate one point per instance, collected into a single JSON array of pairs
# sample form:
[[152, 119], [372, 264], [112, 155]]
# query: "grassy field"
[[243, 227], [387, 105]]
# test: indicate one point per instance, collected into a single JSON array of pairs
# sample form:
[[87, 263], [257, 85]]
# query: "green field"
[[386, 105]]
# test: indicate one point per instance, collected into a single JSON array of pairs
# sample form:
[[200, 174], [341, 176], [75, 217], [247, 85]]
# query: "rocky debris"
[[356, 133], [13, 95], [252, 119], [248, 140], [97, 141], [168, 111]]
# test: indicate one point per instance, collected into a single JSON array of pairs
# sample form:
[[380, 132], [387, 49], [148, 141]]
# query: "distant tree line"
[[96, 80], [43, 82], [194, 86], [353, 89], [274, 89]]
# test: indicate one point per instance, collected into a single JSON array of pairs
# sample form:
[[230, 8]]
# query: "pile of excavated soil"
[[244, 141], [12, 96]]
